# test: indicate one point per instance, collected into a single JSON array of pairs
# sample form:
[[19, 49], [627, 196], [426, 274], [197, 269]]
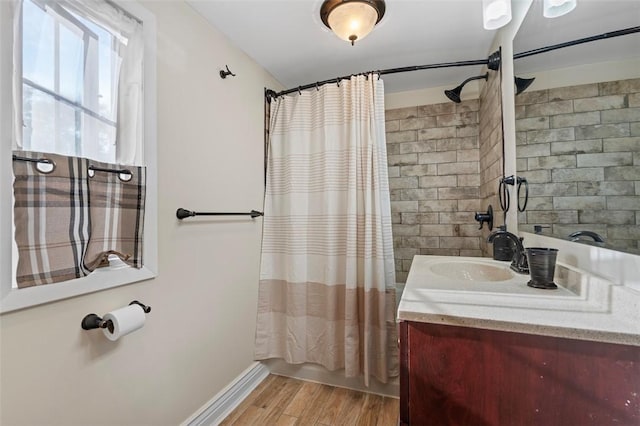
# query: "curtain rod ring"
[[338, 82], [123, 174], [42, 165], [317, 88], [299, 90]]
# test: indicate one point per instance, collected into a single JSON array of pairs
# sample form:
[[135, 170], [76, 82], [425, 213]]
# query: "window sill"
[[100, 279]]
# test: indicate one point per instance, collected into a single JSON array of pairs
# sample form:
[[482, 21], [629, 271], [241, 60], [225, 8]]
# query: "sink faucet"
[[596, 237], [519, 262]]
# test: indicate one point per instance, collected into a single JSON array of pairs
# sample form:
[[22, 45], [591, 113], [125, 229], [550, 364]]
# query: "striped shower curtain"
[[327, 279]]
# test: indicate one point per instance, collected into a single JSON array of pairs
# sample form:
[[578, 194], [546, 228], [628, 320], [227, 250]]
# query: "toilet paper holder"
[[91, 321]]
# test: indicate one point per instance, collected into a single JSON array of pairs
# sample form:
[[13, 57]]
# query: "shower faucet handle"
[[485, 217], [537, 229]]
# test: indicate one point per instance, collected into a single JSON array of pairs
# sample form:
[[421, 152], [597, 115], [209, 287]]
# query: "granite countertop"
[[439, 290]]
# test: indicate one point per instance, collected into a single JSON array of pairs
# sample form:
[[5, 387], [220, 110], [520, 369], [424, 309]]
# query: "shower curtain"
[[327, 279]]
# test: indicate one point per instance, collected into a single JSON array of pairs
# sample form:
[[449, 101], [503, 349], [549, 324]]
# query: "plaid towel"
[[51, 216], [116, 207]]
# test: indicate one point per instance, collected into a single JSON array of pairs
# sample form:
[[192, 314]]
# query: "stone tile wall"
[[579, 147], [434, 177]]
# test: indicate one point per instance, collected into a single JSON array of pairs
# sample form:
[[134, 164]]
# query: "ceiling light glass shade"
[[555, 8], [496, 13], [352, 20]]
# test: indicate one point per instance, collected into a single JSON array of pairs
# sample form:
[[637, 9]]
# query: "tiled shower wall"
[[445, 161], [579, 147], [434, 176]]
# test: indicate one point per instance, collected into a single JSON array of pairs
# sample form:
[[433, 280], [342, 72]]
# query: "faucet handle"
[[537, 229], [485, 217]]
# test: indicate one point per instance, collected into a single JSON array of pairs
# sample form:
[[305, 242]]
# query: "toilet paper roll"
[[125, 320]]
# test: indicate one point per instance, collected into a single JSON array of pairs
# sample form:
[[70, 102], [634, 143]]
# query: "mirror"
[[578, 125]]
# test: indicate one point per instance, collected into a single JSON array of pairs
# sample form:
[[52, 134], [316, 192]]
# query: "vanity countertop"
[[485, 293]]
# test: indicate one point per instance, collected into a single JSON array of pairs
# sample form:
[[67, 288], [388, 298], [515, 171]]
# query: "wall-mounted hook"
[[224, 74]]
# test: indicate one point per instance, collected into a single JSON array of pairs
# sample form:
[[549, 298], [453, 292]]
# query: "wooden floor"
[[281, 400]]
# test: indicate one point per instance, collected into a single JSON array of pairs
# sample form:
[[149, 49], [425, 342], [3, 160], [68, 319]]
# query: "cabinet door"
[[465, 376]]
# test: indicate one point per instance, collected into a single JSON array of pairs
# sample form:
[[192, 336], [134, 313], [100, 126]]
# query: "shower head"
[[522, 84], [454, 94]]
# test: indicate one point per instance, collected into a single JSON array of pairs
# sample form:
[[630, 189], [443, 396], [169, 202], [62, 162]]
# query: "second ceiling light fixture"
[[497, 13]]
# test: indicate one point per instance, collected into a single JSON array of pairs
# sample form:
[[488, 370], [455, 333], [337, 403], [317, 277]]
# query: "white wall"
[[199, 335], [429, 96]]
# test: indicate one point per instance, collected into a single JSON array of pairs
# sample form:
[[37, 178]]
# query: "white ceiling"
[[288, 38]]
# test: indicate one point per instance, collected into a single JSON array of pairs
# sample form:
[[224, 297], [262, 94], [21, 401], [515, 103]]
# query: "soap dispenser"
[[502, 246]]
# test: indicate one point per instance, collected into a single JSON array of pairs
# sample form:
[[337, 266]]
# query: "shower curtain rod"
[[492, 62], [602, 36]]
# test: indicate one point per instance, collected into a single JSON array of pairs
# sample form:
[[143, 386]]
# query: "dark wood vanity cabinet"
[[454, 375]]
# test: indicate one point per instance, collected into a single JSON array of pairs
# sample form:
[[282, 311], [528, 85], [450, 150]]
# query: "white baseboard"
[[225, 401]]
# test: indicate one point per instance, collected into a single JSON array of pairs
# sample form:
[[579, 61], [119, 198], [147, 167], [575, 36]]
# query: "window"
[[70, 69], [80, 67], [77, 77]]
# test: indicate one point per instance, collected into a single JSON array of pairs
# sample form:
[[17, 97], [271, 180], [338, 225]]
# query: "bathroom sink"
[[467, 275], [472, 271]]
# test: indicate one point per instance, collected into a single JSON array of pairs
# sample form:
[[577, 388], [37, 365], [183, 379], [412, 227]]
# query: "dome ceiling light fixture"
[[495, 13], [352, 20], [556, 8]]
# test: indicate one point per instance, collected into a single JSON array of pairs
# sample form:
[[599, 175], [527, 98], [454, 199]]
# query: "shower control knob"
[[485, 218]]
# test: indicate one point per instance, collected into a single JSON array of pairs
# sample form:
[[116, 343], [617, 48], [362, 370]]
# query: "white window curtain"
[[108, 115], [327, 279]]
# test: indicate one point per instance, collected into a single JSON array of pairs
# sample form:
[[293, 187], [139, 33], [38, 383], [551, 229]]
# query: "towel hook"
[[224, 74]]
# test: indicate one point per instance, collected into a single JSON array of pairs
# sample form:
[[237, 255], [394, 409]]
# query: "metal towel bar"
[[184, 213]]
